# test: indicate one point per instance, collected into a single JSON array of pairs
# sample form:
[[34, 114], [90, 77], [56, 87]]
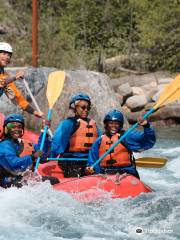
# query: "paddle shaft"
[[31, 95], [146, 162], [34, 101], [67, 159], [43, 138]]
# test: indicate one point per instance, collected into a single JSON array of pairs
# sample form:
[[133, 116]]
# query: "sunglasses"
[[84, 107]]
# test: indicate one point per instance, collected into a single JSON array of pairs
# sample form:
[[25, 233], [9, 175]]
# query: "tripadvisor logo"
[[139, 230]]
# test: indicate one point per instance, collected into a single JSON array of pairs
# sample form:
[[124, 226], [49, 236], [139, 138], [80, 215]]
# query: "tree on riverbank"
[[78, 33]]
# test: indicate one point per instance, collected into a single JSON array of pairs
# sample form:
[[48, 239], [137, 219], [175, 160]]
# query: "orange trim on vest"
[[27, 148], [1, 125], [14, 94], [4, 75], [1, 132], [84, 137], [120, 157]]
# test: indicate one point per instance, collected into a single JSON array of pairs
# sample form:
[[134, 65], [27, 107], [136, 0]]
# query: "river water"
[[39, 212]]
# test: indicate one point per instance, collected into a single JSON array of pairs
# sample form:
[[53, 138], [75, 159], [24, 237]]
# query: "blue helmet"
[[114, 115], [14, 118], [79, 96]]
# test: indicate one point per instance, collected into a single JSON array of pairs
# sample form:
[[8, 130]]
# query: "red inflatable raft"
[[91, 187], [94, 187]]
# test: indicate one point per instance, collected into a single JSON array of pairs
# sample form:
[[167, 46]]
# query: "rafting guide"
[[10, 89]]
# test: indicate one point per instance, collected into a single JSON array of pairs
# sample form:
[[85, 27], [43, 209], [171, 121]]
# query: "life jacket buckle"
[[87, 144], [110, 151], [111, 162], [89, 134]]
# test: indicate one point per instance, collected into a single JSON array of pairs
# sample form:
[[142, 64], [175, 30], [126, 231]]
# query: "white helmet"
[[6, 47]]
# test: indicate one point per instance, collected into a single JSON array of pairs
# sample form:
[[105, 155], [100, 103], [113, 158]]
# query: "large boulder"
[[124, 91], [95, 84], [136, 103]]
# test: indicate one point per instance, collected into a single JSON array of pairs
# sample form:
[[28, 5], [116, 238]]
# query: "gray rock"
[[138, 91], [136, 103], [120, 98], [114, 62], [132, 116], [156, 96], [150, 94], [165, 80], [125, 91], [149, 86], [167, 112], [149, 106], [161, 87]]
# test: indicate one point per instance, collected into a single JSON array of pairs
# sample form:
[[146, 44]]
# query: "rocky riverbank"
[[138, 93], [133, 94]]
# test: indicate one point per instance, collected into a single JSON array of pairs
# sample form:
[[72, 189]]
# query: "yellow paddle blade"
[[170, 93], [54, 86], [151, 162]]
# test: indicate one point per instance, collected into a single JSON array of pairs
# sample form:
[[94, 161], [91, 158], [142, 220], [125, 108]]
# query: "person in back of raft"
[[11, 91], [120, 159], [17, 155], [74, 136]]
